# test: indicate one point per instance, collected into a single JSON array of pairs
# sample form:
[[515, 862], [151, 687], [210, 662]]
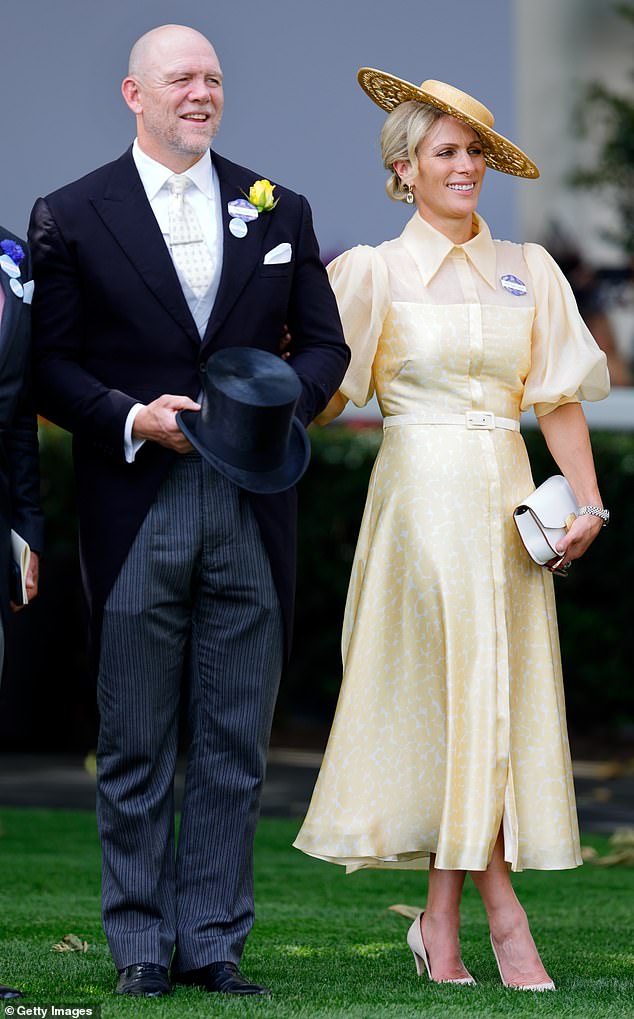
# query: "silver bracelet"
[[594, 511]]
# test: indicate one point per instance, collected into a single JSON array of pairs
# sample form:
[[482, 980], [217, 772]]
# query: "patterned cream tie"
[[190, 253]]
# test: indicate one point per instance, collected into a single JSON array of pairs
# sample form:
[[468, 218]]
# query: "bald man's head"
[[156, 44], [174, 88]]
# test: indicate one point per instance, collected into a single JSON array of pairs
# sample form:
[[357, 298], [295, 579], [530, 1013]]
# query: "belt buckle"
[[481, 419]]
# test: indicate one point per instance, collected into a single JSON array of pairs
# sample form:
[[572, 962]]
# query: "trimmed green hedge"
[[595, 602], [48, 700]]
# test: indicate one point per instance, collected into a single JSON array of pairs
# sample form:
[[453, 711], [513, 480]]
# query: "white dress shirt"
[[205, 201]]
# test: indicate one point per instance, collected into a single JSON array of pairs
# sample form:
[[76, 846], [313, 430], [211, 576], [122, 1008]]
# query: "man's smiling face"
[[177, 96]]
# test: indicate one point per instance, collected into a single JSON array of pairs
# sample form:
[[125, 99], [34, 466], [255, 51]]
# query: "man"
[[143, 269], [19, 477]]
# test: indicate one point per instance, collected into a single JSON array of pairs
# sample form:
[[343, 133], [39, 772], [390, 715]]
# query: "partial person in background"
[[588, 291], [449, 747], [19, 474]]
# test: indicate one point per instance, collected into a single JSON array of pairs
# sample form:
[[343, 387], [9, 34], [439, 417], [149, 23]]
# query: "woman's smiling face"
[[449, 175]]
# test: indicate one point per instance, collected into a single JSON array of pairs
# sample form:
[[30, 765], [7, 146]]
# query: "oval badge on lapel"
[[238, 227], [242, 209], [8, 265], [16, 287]]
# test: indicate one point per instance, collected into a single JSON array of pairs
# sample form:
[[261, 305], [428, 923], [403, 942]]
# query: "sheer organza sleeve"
[[360, 282], [566, 364]]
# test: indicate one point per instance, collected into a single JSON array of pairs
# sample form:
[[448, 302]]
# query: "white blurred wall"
[[562, 46]]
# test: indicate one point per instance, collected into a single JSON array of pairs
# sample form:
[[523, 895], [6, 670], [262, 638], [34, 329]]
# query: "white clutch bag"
[[544, 518]]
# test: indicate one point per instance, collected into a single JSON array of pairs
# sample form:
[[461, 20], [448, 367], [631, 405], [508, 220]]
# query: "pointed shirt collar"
[[154, 175], [429, 248]]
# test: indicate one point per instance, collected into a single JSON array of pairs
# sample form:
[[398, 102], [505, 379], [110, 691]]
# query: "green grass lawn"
[[325, 943]]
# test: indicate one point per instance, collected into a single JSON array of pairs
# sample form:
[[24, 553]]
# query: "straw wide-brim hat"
[[388, 92]]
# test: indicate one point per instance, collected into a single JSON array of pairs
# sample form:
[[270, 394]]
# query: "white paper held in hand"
[[21, 556]]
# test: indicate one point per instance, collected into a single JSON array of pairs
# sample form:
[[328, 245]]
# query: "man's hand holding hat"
[[157, 422]]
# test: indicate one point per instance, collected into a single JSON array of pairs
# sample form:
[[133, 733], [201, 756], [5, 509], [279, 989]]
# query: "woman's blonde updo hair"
[[402, 133]]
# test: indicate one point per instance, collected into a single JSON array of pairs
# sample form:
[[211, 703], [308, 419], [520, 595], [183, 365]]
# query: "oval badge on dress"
[[16, 287], [514, 285]]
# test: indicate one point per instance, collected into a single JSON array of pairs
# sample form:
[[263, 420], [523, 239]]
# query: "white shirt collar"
[[154, 175]]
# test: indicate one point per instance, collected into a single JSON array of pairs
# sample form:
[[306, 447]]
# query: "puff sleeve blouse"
[[423, 281]]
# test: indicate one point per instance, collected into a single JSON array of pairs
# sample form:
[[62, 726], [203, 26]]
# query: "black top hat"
[[245, 427]]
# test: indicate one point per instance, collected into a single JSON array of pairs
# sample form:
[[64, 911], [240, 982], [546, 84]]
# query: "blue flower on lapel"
[[14, 250]]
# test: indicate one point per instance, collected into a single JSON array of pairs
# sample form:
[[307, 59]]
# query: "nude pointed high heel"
[[417, 946], [547, 985]]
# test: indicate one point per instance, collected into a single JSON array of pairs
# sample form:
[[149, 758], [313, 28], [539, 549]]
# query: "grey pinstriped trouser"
[[195, 593]]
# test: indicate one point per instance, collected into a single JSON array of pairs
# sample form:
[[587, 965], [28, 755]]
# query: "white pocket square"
[[276, 256], [27, 296]]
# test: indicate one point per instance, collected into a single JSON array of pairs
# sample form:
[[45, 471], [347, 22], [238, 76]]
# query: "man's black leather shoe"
[[9, 992], [224, 977], [144, 980]]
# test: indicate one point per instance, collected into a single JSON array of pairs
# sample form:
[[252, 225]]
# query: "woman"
[[449, 745]]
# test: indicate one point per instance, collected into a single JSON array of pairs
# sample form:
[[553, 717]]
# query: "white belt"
[[473, 419]]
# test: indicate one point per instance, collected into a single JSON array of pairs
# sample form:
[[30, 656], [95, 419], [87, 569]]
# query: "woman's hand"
[[579, 538], [566, 435], [285, 343]]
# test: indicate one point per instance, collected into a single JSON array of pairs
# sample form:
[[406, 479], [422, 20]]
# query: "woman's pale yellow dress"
[[451, 715]]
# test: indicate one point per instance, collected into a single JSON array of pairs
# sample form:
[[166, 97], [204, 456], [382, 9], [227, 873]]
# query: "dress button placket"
[[487, 440]]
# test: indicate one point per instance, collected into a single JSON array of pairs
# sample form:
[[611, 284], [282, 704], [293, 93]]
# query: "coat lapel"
[[126, 212], [240, 255]]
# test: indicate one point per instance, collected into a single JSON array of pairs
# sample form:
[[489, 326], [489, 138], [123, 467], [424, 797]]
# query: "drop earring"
[[409, 197]]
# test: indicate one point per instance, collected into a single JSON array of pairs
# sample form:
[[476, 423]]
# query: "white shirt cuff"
[[131, 446]]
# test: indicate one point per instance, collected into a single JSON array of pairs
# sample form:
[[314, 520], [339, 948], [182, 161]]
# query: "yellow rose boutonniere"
[[261, 195]]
